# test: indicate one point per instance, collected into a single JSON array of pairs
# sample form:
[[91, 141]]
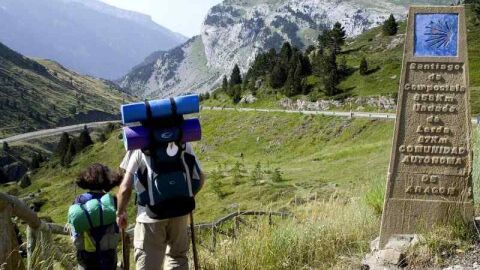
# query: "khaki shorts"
[[152, 239]]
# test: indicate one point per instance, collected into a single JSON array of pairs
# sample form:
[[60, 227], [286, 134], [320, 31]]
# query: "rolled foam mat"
[[137, 112], [139, 137]]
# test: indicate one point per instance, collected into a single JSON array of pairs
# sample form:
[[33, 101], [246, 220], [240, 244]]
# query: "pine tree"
[[390, 26], [83, 141], [69, 155], [278, 76], [297, 79], [236, 77], [237, 93], [338, 36], [363, 70], [331, 76], [225, 84], [6, 147], [285, 53], [62, 146]]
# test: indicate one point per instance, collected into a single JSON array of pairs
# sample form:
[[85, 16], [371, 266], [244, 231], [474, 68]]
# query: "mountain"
[[38, 94], [87, 36], [235, 31]]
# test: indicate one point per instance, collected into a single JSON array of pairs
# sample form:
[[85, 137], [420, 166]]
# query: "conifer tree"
[[84, 140], [225, 84], [6, 147], [236, 77], [363, 70], [390, 26], [331, 76], [285, 53], [278, 76], [69, 155], [62, 146], [338, 36]]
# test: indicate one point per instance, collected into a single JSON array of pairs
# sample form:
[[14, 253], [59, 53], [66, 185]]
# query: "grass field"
[[332, 178]]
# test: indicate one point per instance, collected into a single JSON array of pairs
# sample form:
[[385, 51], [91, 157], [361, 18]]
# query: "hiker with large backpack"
[[162, 168], [92, 219]]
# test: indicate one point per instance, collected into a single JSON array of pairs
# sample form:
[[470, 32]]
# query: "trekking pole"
[[194, 246], [125, 250]]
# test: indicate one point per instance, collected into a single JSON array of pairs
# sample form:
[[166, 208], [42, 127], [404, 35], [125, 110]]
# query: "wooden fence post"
[[214, 238], [10, 258]]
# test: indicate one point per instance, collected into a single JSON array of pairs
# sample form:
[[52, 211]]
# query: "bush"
[[363, 70], [256, 174], [215, 180], [276, 176]]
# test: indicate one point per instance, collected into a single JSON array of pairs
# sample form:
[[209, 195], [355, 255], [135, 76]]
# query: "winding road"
[[56, 131]]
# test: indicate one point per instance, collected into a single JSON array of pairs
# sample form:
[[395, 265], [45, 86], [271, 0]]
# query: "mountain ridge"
[[90, 37], [235, 31]]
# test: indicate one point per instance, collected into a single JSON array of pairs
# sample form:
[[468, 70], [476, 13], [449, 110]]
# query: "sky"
[[182, 16]]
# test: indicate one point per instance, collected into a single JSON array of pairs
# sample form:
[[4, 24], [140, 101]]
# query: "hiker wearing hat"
[[165, 179]]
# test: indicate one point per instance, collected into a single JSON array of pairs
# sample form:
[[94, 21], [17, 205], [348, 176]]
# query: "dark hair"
[[98, 177]]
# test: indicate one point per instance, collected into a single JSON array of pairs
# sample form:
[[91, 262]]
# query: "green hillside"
[[325, 164], [332, 173], [384, 57], [40, 93]]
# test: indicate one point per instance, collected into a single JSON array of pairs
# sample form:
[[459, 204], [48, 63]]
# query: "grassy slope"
[[37, 86], [320, 155], [333, 168]]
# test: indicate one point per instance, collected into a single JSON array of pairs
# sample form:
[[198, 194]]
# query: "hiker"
[[164, 224], [92, 219]]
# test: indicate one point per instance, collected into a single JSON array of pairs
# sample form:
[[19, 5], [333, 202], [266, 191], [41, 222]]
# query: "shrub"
[[363, 70], [276, 176], [256, 174]]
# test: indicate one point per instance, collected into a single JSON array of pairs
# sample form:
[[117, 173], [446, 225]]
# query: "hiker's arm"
[[123, 195]]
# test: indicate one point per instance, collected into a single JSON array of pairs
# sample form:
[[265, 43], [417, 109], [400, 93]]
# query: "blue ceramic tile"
[[436, 34]]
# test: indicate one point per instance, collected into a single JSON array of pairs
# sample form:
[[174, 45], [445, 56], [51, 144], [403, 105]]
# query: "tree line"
[[286, 71]]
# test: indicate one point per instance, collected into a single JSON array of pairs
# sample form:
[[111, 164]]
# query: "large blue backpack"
[[168, 181]]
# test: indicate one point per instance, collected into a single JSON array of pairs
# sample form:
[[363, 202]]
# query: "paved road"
[[372, 115], [56, 131], [52, 132]]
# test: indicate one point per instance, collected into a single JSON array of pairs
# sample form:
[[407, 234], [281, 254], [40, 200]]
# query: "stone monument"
[[429, 178]]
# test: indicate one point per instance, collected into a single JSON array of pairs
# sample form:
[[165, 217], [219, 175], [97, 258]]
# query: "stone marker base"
[[392, 256]]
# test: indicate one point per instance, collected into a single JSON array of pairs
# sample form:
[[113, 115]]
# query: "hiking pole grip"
[[125, 250], [194, 246]]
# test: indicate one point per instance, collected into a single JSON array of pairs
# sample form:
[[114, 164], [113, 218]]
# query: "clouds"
[[183, 16]]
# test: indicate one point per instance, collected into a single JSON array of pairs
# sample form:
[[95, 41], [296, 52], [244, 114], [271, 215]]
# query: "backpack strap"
[[89, 219]]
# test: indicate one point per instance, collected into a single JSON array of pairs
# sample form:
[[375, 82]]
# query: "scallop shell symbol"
[[440, 34]]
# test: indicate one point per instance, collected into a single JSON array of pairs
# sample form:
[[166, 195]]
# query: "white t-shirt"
[[135, 160]]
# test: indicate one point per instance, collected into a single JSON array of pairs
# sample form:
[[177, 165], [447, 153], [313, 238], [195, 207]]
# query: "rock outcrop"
[[235, 31]]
